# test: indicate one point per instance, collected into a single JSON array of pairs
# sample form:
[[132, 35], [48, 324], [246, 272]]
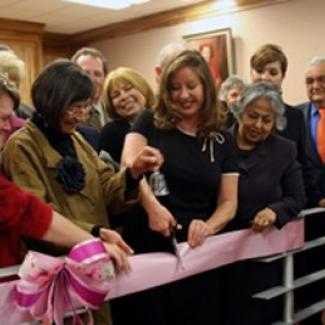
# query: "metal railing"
[[290, 284]]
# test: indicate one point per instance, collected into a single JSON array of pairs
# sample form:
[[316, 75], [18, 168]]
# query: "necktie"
[[321, 134], [94, 119]]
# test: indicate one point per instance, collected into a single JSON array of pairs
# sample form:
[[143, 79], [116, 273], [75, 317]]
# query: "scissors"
[[175, 248]]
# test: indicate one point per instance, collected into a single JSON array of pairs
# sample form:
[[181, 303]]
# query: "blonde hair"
[[12, 66], [131, 76], [8, 87]]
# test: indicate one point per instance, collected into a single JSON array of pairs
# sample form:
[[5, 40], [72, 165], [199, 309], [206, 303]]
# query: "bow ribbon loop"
[[49, 287]]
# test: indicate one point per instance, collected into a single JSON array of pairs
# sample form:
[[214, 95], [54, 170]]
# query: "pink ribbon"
[[49, 287], [154, 269]]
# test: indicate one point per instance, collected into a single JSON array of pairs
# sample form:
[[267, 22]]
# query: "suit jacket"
[[315, 180], [295, 130], [90, 134], [270, 177]]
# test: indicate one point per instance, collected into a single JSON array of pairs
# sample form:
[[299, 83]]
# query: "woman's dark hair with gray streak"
[[60, 84], [267, 91], [211, 115], [228, 84]]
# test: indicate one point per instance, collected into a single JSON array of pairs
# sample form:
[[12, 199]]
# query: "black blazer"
[[295, 130], [315, 180], [270, 177]]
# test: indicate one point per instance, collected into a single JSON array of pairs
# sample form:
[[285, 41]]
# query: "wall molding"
[[21, 26], [167, 18], [58, 40]]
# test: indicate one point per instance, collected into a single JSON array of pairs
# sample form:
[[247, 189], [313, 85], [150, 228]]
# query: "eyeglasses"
[[77, 109], [310, 81]]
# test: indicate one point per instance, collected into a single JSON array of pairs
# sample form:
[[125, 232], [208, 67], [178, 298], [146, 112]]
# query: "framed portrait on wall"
[[216, 47]]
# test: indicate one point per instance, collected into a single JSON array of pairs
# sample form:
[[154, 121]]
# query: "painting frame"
[[220, 42]]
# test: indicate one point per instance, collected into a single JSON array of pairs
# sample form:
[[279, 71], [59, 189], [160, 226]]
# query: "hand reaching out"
[[263, 219], [321, 203], [161, 220], [147, 160], [119, 257], [113, 237], [198, 231], [117, 248]]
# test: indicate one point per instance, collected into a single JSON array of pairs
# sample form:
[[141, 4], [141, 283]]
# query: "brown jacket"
[[30, 162]]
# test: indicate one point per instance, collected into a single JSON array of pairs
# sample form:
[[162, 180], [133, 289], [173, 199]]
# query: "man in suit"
[[94, 63], [315, 182], [315, 86]]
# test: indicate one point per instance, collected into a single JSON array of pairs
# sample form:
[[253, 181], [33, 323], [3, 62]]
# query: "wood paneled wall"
[[26, 40], [35, 48]]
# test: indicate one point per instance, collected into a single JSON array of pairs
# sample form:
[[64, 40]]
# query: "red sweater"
[[21, 214]]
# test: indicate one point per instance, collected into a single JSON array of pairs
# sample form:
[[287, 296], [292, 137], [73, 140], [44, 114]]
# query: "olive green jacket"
[[30, 162]]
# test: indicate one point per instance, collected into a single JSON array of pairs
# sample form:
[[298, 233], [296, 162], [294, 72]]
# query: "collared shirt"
[[98, 117], [100, 110], [314, 119]]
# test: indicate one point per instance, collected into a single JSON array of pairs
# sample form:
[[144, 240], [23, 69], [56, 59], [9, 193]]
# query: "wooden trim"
[[21, 26], [59, 41], [166, 18]]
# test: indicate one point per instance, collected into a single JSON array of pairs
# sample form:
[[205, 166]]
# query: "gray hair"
[[316, 60], [269, 92], [13, 66], [169, 52], [228, 84], [6, 48]]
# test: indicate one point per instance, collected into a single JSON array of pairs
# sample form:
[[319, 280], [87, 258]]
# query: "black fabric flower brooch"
[[70, 173]]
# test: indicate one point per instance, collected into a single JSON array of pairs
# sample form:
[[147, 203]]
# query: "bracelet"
[[129, 174], [95, 231]]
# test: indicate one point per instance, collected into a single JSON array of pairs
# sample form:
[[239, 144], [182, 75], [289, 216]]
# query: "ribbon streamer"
[[154, 269], [50, 287]]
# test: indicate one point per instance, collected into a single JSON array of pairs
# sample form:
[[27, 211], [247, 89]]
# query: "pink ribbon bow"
[[49, 287]]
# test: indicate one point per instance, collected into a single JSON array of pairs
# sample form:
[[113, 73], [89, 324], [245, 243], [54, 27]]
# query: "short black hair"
[[60, 84]]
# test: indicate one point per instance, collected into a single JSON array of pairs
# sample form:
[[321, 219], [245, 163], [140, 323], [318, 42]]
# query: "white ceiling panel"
[[63, 17], [5, 3]]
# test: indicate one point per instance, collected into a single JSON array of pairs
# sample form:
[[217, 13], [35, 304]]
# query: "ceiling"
[[68, 18]]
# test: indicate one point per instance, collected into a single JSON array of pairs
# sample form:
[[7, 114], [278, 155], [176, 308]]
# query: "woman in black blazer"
[[271, 192], [269, 63]]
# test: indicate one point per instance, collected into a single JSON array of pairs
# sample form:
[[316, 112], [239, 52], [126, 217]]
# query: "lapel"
[[260, 152], [245, 166], [51, 156], [311, 149]]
